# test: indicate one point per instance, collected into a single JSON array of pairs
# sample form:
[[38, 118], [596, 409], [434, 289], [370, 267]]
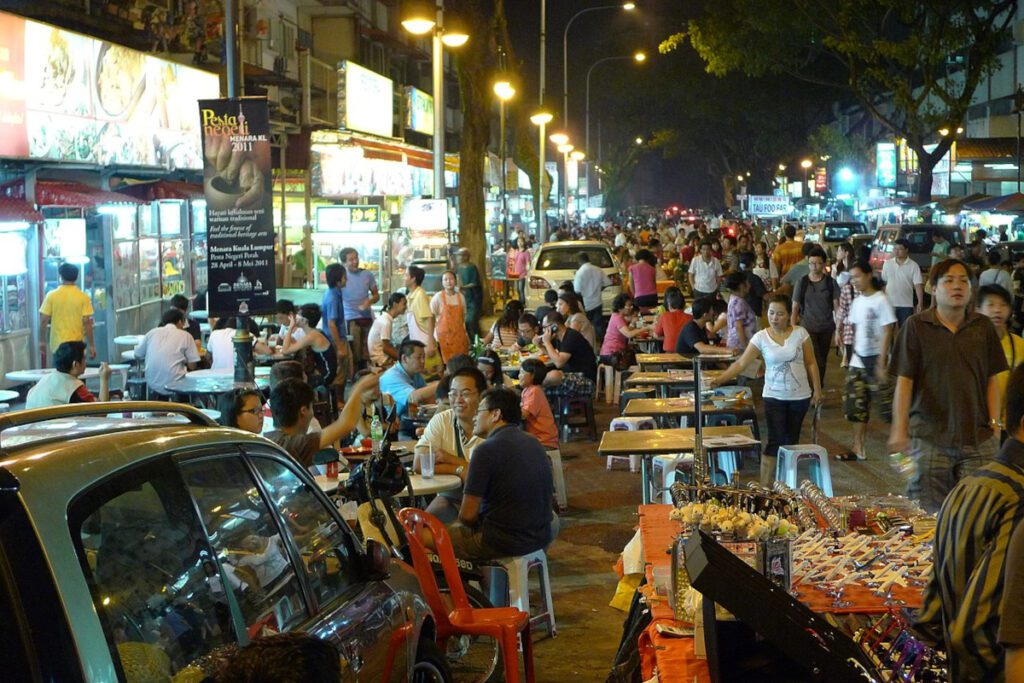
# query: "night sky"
[[595, 35]]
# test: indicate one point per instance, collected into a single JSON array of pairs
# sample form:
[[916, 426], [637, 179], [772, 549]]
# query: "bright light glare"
[[640, 57], [566, 148], [578, 155], [455, 39], [629, 6], [418, 25], [639, 140], [806, 163], [846, 175], [559, 138], [504, 90], [541, 118]]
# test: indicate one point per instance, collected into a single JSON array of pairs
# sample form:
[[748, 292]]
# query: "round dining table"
[[421, 486], [131, 340], [36, 374]]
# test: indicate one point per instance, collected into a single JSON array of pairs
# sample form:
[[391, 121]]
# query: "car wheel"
[[431, 665]]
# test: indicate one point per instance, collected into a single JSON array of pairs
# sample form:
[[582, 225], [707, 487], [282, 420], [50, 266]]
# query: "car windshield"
[[564, 258], [840, 232]]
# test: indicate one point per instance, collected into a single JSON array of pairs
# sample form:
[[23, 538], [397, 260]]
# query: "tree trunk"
[[474, 64]]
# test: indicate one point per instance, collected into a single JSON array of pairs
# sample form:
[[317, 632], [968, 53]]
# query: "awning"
[[65, 193], [1005, 204], [986, 149], [162, 189], [808, 201], [18, 211], [955, 204]]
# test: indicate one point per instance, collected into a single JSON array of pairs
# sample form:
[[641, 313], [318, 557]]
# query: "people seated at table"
[[169, 353], [181, 302], [291, 403], [403, 381], [455, 364], [287, 369], [314, 350], [615, 348], [506, 504], [671, 322], [693, 338], [450, 434], [284, 310], [374, 403], [569, 306], [550, 299], [489, 364], [63, 386], [383, 351], [242, 409], [571, 354], [537, 415], [221, 345], [504, 333], [529, 331]]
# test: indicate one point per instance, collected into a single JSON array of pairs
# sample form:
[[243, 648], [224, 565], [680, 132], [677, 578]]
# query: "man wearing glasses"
[[450, 434]]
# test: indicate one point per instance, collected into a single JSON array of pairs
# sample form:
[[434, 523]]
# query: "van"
[[920, 237]]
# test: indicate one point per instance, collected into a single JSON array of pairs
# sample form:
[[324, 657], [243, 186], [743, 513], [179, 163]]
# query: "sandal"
[[849, 455]]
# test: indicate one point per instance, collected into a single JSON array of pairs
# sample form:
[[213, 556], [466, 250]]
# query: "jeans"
[[902, 313], [784, 420], [937, 469], [822, 343], [597, 320]]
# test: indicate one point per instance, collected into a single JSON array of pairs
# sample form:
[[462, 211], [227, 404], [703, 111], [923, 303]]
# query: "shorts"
[[862, 389], [469, 544]]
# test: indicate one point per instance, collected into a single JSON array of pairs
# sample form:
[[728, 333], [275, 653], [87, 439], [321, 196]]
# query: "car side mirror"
[[378, 560]]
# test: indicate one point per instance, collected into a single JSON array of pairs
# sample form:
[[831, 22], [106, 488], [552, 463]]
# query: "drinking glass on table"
[[427, 463]]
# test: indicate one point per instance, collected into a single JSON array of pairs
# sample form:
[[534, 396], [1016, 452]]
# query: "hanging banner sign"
[[767, 205], [236, 181], [820, 179], [885, 164]]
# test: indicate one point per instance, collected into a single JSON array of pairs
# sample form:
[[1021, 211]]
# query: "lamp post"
[[558, 139], [628, 6], [541, 119], [565, 149], [806, 165], [504, 92], [419, 18], [577, 156], [639, 58]]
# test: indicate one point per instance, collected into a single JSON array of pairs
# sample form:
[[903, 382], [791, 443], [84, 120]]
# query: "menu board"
[[69, 97]]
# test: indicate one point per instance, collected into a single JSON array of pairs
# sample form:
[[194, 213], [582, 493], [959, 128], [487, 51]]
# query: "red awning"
[[16, 210], [64, 193], [162, 189]]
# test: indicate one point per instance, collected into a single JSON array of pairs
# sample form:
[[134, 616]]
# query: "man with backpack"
[[815, 303]]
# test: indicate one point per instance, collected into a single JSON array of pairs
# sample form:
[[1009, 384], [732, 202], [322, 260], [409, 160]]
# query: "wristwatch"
[[459, 470], [995, 425]]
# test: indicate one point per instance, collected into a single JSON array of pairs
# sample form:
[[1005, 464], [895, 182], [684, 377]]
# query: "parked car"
[[920, 237], [133, 547], [831, 233], [1011, 252], [556, 262]]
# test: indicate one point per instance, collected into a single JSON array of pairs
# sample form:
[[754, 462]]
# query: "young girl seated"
[[540, 422]]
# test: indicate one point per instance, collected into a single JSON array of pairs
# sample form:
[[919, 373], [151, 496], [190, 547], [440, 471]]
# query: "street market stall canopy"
[[66, 193], [955, 204], [18, 211], [1006, 204], [162, 189]]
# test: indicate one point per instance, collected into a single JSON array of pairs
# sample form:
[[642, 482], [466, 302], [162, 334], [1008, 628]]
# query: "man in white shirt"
[[168, 351], [620, 237], [867, 382], [450, 435], [902, 277], [588, 283], [383, 351], [705, 272]]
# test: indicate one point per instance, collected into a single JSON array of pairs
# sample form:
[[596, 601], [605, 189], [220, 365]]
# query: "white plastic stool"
[[664, 469], [789, 456], [518, 570], [555, 456], [608, 378], [630, 424]]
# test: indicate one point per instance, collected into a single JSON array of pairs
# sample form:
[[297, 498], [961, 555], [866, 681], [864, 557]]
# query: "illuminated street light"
[[748, 174], [806, 163], [504, 90], [943, 132], [628, 6], [639, 140], [566, 148], [782, 167], [559, 138], [846, 174], [578, 155], [739, 178], [419, 17], [640, 57], [541, 119]]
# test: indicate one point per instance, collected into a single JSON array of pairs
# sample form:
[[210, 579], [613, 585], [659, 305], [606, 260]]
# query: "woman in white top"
[[221, 345], [504, 332], [791, 382], [569, 306]]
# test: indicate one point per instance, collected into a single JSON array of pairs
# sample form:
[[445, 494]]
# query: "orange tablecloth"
[[674, 657]]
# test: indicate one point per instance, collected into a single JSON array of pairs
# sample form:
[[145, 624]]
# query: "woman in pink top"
[[643, 280], [522, 261], [619, 332], [540, 421]]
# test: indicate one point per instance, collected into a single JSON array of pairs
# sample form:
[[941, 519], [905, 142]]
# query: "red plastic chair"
[[504, 624]]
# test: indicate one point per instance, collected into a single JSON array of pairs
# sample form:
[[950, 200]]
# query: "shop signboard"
[[240, 225], [767, 205], [348, 218], [419, 111], [69, 97], [425, 215], [365, 100], [885, 164], [820, 179]]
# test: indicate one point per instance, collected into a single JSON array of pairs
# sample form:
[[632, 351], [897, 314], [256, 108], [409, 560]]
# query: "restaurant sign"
[[348, 218], [365, 101], [419, 111], [767, 205], [69, 97], [240, 225]]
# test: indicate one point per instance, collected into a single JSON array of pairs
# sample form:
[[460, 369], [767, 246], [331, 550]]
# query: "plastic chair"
[[558, 476], [608, 379], [790, 456], [629, 424], [514, 590], [504, 624]]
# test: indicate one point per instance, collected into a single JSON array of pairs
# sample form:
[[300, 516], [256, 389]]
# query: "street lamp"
[[420, 18], [638, 140], [628, 6], [559, 138], [577, 156], [565, 148], [504, 92], [806, 165], [541, 119]]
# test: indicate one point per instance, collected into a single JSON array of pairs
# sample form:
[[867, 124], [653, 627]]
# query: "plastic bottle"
[[376, 433]]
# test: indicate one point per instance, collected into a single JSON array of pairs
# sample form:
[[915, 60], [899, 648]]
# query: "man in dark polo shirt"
[[693, 338], [291, 404], [569, 350], [506, 502], [947, 403]]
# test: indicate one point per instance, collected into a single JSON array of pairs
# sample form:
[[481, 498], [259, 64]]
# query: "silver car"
[[132, 547], [556, 262]]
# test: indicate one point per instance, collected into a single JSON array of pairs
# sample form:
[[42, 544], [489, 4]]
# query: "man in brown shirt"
[[291, 403], [789, 253], [947, 403]]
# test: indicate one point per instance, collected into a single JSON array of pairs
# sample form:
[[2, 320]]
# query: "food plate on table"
[[355, 451]]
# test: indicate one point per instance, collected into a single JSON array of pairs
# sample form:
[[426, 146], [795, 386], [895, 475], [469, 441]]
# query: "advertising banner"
[[348, 218], [419, 111], [820, 179], [236, 182], [885, 164], [767, 205], [365, 100]]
